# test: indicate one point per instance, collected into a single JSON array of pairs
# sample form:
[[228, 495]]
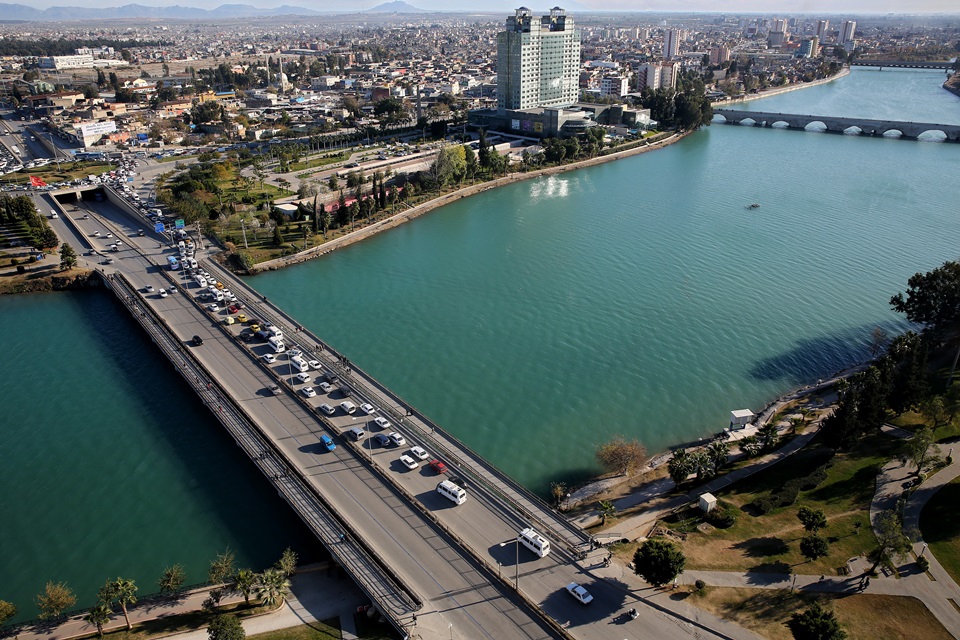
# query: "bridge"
[[861, 126], [433, 569], [904, 64]]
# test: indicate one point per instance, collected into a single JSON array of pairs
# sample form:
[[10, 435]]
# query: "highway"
[[446, 557]]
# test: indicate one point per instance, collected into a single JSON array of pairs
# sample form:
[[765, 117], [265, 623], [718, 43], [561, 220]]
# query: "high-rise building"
[[671, 43], [648, 76], [822, 26], [779, 26], [810, 48], [719, 55], [848, 31], [538, 61]]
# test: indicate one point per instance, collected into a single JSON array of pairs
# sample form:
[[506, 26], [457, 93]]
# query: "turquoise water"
[[891, 94], [638, 297], [111, 466]]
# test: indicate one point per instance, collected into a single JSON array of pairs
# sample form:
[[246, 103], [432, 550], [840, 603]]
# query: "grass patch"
[[941, 528], [770, 543], [322, 161], [863, 616], [190, 621], [67, 171], [325, 630]]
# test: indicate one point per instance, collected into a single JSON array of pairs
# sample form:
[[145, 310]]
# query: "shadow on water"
[[822, 357], [255, 522]]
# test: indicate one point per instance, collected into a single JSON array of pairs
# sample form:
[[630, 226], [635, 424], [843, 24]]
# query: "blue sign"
[[179, 224], [159, 228]]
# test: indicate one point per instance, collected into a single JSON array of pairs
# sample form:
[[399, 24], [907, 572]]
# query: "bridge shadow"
[[821, 357]]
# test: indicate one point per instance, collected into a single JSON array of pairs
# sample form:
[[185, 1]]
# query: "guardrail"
[[396, 600]]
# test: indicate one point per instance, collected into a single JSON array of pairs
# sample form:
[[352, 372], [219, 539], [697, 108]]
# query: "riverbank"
[[421, 209], [768, 93], [953, 84], [46, 278]]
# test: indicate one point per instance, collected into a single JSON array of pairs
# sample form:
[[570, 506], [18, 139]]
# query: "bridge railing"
[[372, 573]]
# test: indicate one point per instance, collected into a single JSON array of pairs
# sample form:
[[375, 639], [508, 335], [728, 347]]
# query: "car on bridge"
[[327, 409], [578, 592], [419, 453], [382, 439], [438, 466], [275, 389], [368, 408], [326, 387], [327, 442], [305, 378], [382, 422], [308, 392], [397, 439], [409, 462]]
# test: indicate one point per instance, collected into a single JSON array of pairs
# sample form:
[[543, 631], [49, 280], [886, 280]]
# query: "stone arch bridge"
[[907, 130]]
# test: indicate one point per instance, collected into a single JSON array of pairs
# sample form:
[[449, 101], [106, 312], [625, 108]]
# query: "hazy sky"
[[769, 7]]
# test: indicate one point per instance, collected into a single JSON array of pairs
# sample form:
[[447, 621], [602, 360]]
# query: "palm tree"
[[245, 582], [702, 463], [606, 509], [680, 466], [99, 615], [719, 451], [124, 592], [768, 436], [273, 587]]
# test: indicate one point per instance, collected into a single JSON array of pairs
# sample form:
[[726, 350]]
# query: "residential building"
[[810, 48], [66, 62], [719, 55], [671, 43], [822, 26], [538, 61], [848, 31]]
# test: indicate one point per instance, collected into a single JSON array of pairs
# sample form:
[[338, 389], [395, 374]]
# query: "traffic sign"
[[159, 228], [179, 224]]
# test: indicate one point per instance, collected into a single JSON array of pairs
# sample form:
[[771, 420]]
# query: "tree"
[[558, 490], [55, 599], [226, 627], [221, 569], [173, 579], [658, 561], [892, 540], [719, 451], [68, 257], [702, 463], [7, 611], [621, 456], [768, 436], [122, 590], [812, 519], [606, 509], [921, 450], [932, 298], [99, 616], [273, 587], [287, 564], [813, 547], [245, 582], [935, 411], [680, 466], [816, 623], [277, 237]]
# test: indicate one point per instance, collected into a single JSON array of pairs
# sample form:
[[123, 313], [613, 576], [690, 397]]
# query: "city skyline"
[[768, 7]]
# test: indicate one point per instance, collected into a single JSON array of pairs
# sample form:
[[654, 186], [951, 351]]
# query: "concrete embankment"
[[419, 210], [793, 87], [953, 84]]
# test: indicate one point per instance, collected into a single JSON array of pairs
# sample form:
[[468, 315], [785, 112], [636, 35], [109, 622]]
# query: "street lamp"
[[516, 579]]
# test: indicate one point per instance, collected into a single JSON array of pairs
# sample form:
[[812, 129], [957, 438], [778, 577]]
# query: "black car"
[[197, 341]]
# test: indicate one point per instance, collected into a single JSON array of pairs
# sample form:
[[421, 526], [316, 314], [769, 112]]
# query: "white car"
[[304, 378], [327, 409], [212, 308], [409, 462], [148, 288], [292, 353], [326, 387], [269, 358], [275, 390], [397, 439], [109, 235], [368, 408], [172, 289], [162, 293], [315, 365], [382, 422], [420, 453], [578, 592], [308, 391]]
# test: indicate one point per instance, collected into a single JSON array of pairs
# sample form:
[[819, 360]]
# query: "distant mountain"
[[176, 12], [397, 6]]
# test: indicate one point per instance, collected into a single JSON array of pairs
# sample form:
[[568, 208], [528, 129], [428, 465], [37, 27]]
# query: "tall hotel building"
[[671, 43], [538, 61], [848, 32]]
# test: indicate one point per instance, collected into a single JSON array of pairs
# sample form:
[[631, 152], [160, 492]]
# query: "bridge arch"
[[853, 130], [816, 126], [893, 134], [779, 124], [719, 118], [933, 135]]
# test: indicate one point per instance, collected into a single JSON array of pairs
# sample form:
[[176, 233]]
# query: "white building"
[[614, 85], [822, 26], [538, 61], [67, 62], [848, 31], [671, 43]]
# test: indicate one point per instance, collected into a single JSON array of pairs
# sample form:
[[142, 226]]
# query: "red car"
[[438, 466], [233, 309]]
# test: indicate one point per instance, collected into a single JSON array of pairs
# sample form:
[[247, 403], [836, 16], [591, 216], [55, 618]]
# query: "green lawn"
[[326, 630], [174, 624], [941, 527], [770, 542]]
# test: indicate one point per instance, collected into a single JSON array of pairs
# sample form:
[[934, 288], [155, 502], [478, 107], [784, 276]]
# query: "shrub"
[[21, 269], [923, 563], [723, 517], [765, 504], [14, 262]]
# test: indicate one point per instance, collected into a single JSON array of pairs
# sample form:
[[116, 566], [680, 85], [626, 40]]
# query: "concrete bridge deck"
[[867, 127], [903, 64]]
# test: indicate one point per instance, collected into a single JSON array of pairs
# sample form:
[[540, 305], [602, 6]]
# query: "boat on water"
[[755, 205]]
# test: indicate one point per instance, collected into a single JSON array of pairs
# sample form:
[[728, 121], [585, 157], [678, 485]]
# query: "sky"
[[768, 7]]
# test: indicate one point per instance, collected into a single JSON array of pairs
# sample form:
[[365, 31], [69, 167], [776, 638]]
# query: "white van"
[[357, 434], [201, 282], [192, 263], [276, 344], [534, 541], [452, 492], [299, 364], [348, 406]]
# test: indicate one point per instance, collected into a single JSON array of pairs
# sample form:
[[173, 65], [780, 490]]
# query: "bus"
[[172, 263]]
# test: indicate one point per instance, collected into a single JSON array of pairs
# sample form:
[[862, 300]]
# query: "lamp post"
[[516, 579]]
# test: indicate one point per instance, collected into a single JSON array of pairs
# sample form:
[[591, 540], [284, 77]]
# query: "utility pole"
[[243, 228]]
